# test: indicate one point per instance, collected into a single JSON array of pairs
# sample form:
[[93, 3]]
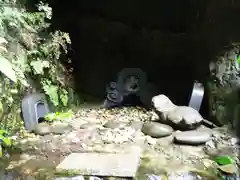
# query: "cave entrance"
[[157, 37]]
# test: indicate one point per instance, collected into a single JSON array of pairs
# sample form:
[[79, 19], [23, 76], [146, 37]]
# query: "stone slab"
[[102, 164]]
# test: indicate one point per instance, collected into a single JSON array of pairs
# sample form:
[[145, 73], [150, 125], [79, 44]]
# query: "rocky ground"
[[167, 153]]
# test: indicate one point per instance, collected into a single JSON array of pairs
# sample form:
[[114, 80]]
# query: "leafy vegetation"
[[5, 141], [30, 58], [59, 116], [224, 160]]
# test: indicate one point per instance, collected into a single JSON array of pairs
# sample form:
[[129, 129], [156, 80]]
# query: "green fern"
[[27, 52]]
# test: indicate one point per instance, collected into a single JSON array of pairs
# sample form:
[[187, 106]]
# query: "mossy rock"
[[223, 87]]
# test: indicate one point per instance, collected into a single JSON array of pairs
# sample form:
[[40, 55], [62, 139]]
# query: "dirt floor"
[[118, 130]]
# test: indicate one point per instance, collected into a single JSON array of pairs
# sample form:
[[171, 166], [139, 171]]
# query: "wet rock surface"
[[193, 137], [223, 87], [118, 130]]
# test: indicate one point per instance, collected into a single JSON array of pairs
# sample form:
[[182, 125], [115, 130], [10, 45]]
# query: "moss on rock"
[[223, 87]]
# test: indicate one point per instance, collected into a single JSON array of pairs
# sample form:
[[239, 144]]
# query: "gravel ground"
[[116, 130]]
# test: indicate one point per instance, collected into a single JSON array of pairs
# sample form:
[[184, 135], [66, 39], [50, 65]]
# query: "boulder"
[[184, 117], [156, 130], [180, 117]]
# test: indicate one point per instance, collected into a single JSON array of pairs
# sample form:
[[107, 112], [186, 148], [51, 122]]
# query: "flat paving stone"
[[102, 164]]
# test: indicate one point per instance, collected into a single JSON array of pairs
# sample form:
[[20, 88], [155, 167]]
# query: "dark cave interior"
[[172, 41]]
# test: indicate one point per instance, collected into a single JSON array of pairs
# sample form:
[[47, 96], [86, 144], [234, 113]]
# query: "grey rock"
[[228, 168], [163, 105], [45, 129], [114, 124], [192, 137], [156, 130], [185, 117], [181, 117], [42, 129], [25, 156], [60, 128]]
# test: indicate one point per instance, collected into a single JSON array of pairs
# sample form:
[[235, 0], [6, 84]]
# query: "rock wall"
[[173, 41], [224, 87], [105, 47], [108, 36]]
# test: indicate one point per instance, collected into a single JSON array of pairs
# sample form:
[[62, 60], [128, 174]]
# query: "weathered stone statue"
[[128, 88], [179, 117]]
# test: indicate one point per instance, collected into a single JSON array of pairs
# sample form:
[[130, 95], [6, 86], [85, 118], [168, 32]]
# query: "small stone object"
[[114, 125], [61, 128], [156, 130], [192, 137], [229, 168], [42, 129], [25, 156]]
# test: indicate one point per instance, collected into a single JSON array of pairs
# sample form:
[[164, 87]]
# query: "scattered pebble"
[[114, 130]]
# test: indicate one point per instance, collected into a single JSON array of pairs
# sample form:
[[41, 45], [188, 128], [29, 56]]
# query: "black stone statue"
[[127, 90]]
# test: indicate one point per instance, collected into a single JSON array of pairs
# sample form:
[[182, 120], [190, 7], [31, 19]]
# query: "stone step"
[[102, 164]]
